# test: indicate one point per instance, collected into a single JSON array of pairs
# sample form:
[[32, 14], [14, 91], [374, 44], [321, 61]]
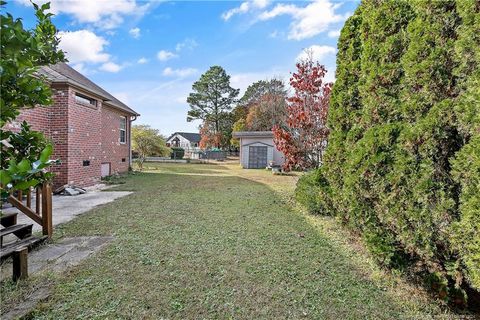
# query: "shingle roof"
[[190, 136], [63, 73], [252, 134]]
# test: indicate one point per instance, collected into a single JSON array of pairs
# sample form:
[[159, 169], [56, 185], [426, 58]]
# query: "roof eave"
[[131, 112], [96, 93]]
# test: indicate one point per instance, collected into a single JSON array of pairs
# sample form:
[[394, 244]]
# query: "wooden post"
[[47, 210], [38, 200], [20, 264], [29, 198], [20, 195]]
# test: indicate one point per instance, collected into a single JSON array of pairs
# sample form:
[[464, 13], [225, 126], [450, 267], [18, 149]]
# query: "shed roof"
[[253, 134], [63, 73]]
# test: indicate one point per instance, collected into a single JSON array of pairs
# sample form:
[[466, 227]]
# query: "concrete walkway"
[[65, 208], [59, 256], [56, 257], [67, 252]]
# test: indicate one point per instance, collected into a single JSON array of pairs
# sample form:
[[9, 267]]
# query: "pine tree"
[[212, 98]]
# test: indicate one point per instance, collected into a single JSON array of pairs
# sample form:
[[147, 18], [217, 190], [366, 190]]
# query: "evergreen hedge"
[[402, 165]]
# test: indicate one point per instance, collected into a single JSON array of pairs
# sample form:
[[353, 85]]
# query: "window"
[[123, 129], [85, 100], [176, 142]]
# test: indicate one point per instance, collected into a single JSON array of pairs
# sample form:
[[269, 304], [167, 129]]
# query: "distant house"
[[186, 140], [257, 149], [90, 128]]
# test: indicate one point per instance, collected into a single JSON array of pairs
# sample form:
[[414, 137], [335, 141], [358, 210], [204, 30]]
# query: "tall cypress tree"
[[345, 106], [384, 41], [466, 166], [403, 161], [374, 144], [425, 195]]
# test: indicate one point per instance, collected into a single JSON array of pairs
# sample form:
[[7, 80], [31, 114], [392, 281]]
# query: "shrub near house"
[[403, 161], [25, 153]]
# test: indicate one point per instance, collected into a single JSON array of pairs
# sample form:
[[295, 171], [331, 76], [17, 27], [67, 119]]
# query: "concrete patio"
[[65, 208]]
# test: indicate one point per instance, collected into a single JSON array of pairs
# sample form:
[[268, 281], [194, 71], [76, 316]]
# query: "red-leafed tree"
[[209, 139], [303, 136]]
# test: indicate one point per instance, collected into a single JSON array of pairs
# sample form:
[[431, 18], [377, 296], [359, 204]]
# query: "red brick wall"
[[84, 141], [58, 132], [113, 151], [80, 133], [52, 121]]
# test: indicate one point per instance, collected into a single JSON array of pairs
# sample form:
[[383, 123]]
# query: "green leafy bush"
[[312, 191], [402, 166], [25, 155]]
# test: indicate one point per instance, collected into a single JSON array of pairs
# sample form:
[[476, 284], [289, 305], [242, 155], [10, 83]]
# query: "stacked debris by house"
[[69, 190]]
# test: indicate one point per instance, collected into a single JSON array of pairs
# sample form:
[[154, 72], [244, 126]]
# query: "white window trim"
[[124, 130], [92, 102]]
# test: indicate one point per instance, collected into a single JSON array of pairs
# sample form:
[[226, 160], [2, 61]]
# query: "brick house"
[[90, 128]]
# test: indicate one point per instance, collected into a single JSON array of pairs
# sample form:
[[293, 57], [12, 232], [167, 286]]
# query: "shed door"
[[105, 169], [257, 157]]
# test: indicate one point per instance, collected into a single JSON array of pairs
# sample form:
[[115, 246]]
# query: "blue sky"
[[149, 53]]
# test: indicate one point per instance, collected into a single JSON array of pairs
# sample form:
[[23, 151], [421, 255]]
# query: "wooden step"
[[21, 231], [8, 219], [29, 242]]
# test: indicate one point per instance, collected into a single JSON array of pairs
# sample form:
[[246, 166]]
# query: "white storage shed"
[[257, 149]]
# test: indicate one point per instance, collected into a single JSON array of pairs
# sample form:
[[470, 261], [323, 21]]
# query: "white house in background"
[[257, 149], [186, 140]]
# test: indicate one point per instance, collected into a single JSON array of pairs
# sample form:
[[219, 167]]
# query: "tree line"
[[297, 121]]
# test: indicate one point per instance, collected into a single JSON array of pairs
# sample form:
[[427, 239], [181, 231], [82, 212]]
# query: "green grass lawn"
[[217, 242]]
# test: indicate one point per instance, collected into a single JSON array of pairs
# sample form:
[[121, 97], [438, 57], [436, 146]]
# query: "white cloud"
[[188, 44], [317, 52], [181, 73], [80, 67], [164, 55], [135, 32], [105, 14], [122, 96], [260, 3], [111, 67], [244, 8], [142, 60], [334, 33], [308, 21], [83, 46], [243, 80]]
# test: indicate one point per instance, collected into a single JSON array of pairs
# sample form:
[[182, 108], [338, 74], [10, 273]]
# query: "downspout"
[[130, 142]]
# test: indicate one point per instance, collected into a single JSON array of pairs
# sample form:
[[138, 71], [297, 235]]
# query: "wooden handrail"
[[25, 210], [43, 202]]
